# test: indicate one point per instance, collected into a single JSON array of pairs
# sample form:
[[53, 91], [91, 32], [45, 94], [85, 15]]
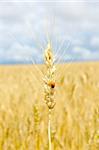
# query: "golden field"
[[24, 114]]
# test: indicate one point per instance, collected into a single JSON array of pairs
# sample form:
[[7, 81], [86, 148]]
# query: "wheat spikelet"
[[49, 80], [49, 86]]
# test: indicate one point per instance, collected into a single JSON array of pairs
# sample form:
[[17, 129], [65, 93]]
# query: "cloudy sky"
[[27, 25]]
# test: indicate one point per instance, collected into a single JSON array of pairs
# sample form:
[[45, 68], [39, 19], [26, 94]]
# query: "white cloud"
[[95, 41], [86, 54], [83, 52], [24, 23]]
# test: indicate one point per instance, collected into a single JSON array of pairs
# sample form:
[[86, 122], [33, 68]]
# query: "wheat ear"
[[49, 86]]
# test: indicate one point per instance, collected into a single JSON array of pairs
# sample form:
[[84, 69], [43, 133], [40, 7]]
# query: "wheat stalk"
[[49, 86], [36, 125]]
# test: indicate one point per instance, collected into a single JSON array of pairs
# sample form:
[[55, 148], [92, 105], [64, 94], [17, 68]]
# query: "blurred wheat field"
[[24, 114]]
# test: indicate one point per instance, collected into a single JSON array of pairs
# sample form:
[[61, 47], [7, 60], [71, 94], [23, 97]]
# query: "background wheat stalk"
[[49, 86]]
